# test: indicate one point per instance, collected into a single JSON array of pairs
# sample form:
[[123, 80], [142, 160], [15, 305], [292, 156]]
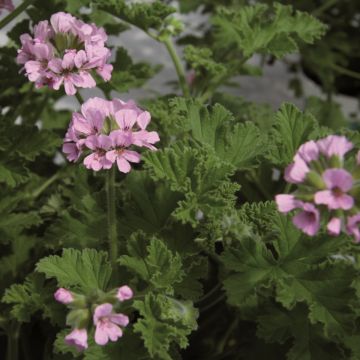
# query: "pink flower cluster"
[[7, 5], [105, 130], [65, 52], [108, 324], [327, 190]]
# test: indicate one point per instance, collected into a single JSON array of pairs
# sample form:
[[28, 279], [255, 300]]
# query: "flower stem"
[[111, 215], [79, 98], [12, 352], [178, 66], [11, 16]]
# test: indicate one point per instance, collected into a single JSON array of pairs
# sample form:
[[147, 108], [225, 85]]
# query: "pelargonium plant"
[[188, 224]]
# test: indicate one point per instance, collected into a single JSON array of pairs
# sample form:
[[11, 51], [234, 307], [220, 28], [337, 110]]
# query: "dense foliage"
[[207, 266]]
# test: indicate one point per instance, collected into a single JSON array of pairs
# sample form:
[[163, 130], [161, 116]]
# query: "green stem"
[[178, 66], [345, 71], [79, 98], [45, 185], [328, 4], [111, 215], [15, 13], [210, 293], [12, 352], [224, 340]]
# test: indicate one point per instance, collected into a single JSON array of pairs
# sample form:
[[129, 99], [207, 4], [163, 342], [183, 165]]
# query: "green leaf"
[[238, 144], [32, 296], [143, 15], [87, 269], [164, 321], [200, 176], [297, 269], [291, 129], [154, 263], [260, 28]]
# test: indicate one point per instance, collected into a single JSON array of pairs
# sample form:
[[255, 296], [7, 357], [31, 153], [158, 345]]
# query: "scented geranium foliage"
[[182, 222]]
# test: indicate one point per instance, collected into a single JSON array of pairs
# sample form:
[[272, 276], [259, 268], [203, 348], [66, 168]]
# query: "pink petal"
[[126, 119], [68, 60], [334, 145], [120, 319], [77, 338], [69, 87], [105, 71], [324, 197], [80, 58], [55, 66], [286, 203], [334, 226], [124, 293], [143, 120], [309, 151], [102, 310], [338, 178], [101, 337], [113, 331], [123, 165], [111, 155], [131, 156]]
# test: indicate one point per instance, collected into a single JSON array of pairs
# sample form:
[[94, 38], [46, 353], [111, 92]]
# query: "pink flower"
[[77, 338], [296, 172], [286, 203], [63, 296], [338, 182], [108, 324], [334, 226], [110, 129], [120, 141], [66, 52], [100, 145], [7, 5], [308, 151], [358, 158], [334, 145], [308, 220], [124, 293], [353, 226], [62, 22]]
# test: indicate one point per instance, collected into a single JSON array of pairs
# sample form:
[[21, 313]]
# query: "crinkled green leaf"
[[87, 269]]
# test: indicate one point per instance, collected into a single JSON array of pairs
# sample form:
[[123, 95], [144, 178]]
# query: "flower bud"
[[77, 338], [63, 296], [124, 293]]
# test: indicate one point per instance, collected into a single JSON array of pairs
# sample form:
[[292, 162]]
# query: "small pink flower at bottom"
[[286, 203], [108, 324], [77, 338], [338, 182], [308, 220], [122, 156], [353, 226], [334, 226], [124, 293], [63, 296], [100, 145]]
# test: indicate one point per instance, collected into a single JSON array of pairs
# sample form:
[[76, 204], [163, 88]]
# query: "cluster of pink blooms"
[[108, 324], [6, 5], [65, 51], [105, 130], [328, 186]]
